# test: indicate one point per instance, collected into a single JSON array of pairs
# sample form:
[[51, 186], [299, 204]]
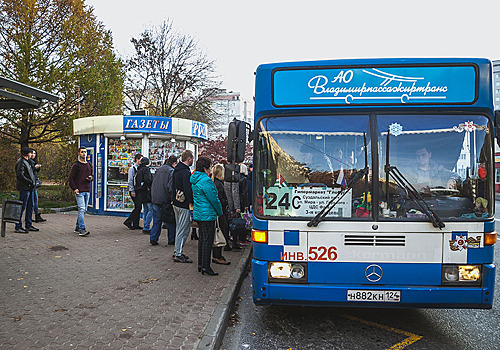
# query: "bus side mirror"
[[237, 141], [497, 127]]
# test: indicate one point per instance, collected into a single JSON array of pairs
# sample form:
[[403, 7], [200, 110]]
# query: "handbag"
[[219, 239], [237, 224], [179, 196]]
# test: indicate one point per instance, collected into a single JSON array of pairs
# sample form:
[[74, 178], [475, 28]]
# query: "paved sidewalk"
[[111, 289]]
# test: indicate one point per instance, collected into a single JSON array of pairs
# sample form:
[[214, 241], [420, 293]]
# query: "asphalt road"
[[280, 327]]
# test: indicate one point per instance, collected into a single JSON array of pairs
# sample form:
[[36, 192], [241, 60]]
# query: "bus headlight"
[[297, 271], [280, 270], [469, 273], [450, 274], [461, 274], [287, 272]]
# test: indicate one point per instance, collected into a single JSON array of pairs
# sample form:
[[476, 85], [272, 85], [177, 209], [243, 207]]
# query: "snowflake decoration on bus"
[[395, 129]]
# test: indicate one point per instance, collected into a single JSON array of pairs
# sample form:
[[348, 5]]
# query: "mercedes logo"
[[373, 273]]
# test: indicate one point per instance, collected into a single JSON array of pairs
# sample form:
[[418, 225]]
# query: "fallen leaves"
[[149, 280]]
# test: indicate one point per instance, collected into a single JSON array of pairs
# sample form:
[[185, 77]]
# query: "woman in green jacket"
[[205, 211]]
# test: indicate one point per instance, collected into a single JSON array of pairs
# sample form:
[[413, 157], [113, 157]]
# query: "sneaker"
[[182, 255], [32, 228], [182, 259], [77, 230], [153, 242], [21, 230], [83, 232]]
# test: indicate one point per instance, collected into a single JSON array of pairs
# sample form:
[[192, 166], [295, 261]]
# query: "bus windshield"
[[445, 158], [303, 162]]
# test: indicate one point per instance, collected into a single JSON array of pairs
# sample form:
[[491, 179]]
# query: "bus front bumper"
[[266, 293]]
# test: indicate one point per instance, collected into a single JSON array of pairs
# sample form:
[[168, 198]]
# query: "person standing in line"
[[161, 197], [250, 188], [80, 178], [183, 197], [232, 189], [218, 178], [132, 221], [205, 211], [25, 181], [142, 185], [36, 169], [244, 201]]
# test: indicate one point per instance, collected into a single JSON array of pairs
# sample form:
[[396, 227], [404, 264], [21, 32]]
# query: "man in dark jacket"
[[80, 177], [25, 180], [132, 222], [161, 197], [183, 197]]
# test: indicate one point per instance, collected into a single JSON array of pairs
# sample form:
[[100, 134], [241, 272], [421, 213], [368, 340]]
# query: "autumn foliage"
[[216, 150]]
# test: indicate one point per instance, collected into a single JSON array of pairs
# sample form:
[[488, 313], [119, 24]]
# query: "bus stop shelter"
[[16, 95]]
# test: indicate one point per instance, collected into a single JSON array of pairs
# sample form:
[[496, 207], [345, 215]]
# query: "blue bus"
[[373, 183]]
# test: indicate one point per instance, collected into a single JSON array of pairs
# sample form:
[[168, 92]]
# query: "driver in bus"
[[429, 174]]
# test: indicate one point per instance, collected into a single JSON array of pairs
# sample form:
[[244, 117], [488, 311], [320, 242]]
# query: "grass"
[[49, 196]]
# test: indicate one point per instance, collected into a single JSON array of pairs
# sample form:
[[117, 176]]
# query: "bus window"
[[447, 160], [302, 166]]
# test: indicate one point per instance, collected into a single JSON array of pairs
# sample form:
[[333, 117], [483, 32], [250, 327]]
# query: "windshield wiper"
[[414, 195], [358, 175]]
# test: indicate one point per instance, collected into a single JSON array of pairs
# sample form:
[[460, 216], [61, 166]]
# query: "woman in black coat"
[[218, 177], [142, 185]]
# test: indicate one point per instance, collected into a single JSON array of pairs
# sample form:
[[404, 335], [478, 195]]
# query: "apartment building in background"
[[227, 106]]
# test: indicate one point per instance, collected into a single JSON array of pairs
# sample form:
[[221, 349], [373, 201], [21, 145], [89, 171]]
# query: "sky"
[[240, 35]]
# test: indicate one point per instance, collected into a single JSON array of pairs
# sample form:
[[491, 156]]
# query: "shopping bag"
[[167, 213], [219, 239]]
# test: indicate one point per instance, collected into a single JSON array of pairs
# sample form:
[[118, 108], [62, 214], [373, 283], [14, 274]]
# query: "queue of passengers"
[[177, 199]]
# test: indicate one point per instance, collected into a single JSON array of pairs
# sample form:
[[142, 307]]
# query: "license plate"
[[387, 296]]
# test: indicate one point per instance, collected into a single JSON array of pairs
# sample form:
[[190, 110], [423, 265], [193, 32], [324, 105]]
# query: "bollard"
[[11, 212]]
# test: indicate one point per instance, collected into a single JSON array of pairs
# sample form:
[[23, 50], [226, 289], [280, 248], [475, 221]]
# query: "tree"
[[169, 75], [216, 150], [60, 47]]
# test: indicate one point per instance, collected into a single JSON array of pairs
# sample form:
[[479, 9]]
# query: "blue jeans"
[[35, 202], [27, 198], [148, 215], [182, 228], [157, 225], [82, 200]]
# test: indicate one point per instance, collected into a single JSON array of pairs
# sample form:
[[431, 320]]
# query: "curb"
[[60, 210], [216, 328]]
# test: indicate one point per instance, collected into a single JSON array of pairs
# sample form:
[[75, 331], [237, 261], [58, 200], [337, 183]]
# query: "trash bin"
[[11, 212]]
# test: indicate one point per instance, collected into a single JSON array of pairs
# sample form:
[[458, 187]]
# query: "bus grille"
[[387, 241]]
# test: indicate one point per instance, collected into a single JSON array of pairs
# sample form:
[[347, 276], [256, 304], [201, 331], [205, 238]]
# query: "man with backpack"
[[80, 178]]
